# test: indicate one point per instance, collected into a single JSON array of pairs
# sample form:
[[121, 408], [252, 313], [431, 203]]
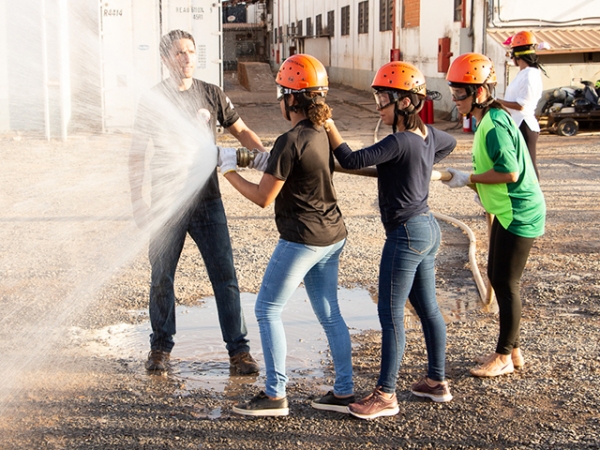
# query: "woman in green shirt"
[[506, 183]]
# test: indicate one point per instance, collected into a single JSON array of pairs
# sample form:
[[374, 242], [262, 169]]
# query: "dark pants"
[[531, 138], [506, 261], [207, 225]]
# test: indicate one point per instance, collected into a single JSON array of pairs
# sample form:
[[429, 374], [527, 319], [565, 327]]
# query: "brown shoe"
[[158, 361], [438, 392], [374, 405], [243, 363]]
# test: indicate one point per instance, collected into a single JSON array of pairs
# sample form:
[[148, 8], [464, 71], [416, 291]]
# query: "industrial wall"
[[81, 65], [427, 33]]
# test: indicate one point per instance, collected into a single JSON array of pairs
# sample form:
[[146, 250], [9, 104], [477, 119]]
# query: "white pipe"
[[481, 286], [45, 71], [65, 75]]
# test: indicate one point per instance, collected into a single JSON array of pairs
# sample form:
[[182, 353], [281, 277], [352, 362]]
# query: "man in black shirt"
[[177, 115]]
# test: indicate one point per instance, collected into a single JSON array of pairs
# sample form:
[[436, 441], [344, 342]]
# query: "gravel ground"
[[54, 402]]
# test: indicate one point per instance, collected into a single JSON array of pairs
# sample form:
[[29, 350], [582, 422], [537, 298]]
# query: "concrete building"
[[80, 65], [353, 38]]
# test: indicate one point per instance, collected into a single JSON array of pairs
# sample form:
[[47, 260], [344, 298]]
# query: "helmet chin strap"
[[410, 109], [288, 108], [483, 105]]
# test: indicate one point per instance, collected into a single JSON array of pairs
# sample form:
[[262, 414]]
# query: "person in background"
[[204, 217], [508, 188], [524, 92], [298, 178], [404, 161]]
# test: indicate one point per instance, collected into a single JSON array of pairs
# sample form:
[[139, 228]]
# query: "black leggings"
[[507, 258], [531, 138]]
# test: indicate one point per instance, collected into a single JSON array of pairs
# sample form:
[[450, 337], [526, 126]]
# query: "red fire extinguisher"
[[467, 123]]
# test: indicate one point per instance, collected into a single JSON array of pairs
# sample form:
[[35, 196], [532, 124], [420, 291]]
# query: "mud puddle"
[[199, 359]]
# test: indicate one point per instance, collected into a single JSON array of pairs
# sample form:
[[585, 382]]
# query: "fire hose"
[[245, 158]]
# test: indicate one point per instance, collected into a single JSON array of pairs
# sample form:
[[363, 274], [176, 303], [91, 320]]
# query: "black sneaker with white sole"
[[262, 405], [329, 402]]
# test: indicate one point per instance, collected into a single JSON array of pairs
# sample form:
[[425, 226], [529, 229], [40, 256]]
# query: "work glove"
[[477, 200], [227, 161], [459, 179], [260, 161]]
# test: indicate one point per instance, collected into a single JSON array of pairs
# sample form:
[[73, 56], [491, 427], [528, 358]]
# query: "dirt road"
[[65, 399]]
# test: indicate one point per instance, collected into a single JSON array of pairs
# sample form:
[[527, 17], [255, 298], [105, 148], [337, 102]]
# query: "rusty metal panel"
[[561, 40]]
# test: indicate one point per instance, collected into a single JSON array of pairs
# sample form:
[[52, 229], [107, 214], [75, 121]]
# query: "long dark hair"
[[527, 54], [412, 119]]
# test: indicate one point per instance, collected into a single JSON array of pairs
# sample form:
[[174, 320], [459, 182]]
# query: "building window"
[[309, 30], [411, 14], [385, 15], [280, 35], [319, 24], [330, 22], [458, 10], [299, 28], [345, 20], [363, 17]]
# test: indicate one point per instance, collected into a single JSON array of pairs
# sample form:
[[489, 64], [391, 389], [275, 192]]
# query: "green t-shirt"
[[498, 144]]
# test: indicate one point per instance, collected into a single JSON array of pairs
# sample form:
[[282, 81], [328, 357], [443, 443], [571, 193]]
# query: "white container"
[[130, 32]]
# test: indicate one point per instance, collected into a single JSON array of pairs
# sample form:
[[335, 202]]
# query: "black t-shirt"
[[404, 164], [306, 208], [177, 120]]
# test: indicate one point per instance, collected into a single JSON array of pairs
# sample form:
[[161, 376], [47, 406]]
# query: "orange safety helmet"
[[301, 72], [523, 38], [471, 68], [400, 75]]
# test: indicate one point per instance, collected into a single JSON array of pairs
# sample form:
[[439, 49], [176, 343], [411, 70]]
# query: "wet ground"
[[74, 329]]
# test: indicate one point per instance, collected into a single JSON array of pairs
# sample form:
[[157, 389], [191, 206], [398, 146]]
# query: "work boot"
[[243, 363], [158, 362]]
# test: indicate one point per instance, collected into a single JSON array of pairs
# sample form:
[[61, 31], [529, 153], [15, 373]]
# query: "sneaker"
[[243, 363], [158, 361], [329, 402], [261, 405], [374, 405], [438, 393]]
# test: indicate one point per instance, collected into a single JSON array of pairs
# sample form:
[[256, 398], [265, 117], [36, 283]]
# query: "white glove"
[[459, 179], [260, 161], [477, 200], [227, 159]]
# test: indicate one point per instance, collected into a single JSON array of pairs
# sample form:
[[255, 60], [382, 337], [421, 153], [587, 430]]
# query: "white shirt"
[[526, 90]]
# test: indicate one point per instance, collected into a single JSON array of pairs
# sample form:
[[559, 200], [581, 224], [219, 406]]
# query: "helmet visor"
[[383, 99], [459, 94], [281, 91]]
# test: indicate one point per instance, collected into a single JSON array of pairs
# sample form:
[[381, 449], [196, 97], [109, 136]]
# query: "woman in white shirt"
[[524, 92]]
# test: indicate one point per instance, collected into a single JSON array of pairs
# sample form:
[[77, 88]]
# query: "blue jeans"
[[207, 225], [407, 271], [318, 267]]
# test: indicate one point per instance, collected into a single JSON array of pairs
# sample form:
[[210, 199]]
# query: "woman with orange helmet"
[[404, 161], [524, 92], [505, 180], [298, 178]]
